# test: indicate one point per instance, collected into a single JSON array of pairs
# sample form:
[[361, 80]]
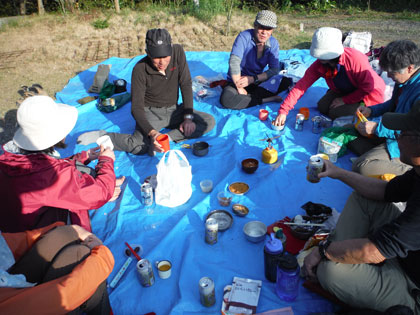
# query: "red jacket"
[[58, 296], [370, 87], [31, 184]]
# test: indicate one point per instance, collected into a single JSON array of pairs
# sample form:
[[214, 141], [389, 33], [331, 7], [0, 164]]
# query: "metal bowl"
[[250, 165], [223, 218], [200, 148], [238, 188], [240, 210], [255, 231], [277, 128]]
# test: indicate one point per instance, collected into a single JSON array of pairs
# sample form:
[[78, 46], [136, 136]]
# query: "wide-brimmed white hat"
[[327, 43], [43, 123]]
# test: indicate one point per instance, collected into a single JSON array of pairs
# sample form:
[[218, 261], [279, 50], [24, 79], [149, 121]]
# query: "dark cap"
[[158, 43], [405, 122]]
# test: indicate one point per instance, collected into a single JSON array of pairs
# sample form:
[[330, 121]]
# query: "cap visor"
[[160, 51]]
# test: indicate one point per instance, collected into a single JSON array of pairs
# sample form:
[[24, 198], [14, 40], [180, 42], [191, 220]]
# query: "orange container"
[[305, 112], [164, 142]]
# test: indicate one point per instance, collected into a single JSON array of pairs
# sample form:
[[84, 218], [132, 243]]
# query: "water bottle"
[[273, 250], [287, 284]]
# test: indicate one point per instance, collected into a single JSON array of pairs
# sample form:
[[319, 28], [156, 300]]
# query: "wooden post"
[[22, 7], [117, 5], [41, 9]]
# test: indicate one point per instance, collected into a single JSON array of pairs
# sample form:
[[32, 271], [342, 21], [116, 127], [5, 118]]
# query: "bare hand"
[[187, 127], [156, 145], [280, 120], [242, 91], [244, 81], [367, 128], [366, 111], [117, 189], [107, 152], [329, 170], [310, 263], [337, 102], [93, 153]]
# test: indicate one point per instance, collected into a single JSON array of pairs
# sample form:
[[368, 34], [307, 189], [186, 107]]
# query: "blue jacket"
[[409, 94], [246, 49]]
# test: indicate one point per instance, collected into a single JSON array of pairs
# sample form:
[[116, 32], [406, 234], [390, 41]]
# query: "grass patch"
[[100, 24]]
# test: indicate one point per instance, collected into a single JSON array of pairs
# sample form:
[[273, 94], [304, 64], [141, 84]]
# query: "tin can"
[[207, 294], [211, 231], [300, 118], [316, 124], [146, 194], [145, 271], [315, 166]]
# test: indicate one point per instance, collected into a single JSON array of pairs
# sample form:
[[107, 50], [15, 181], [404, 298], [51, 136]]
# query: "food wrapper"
[[241, 297], [330, 147]]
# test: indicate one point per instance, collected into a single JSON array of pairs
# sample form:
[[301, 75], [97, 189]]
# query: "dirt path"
[[52, 49]]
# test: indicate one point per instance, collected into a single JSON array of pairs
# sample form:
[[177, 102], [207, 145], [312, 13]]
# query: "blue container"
[[273, 250], [287, 284]]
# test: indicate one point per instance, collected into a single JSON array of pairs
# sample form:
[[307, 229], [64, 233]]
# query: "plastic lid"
[[274, 245], [287, 262]]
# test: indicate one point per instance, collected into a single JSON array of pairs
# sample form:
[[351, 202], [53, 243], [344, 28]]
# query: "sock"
[[89, 137]]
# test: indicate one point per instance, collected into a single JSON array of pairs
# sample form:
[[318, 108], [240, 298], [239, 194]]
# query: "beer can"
[[207, 294], [145, 272], [146, 194], [300, 118], [316, 124], [211, 231], [315, 166]]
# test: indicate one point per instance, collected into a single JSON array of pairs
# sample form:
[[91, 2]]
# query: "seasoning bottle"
[[273, 250], [287, 284]]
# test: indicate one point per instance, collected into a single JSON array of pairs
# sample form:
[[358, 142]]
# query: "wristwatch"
[[189, 116], [322, 247], [256, 81]]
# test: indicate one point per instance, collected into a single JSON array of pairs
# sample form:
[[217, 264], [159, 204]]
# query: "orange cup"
[[305, 112], [164, 142], [263, 114]]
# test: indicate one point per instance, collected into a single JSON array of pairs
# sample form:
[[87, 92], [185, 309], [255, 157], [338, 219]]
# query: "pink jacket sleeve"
[[311, 75]]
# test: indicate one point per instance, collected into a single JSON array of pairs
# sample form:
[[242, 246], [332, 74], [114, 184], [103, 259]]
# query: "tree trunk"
[[117, 6], [22, 7], [41, 9]]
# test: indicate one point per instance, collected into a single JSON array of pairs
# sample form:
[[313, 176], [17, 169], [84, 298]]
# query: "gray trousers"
[[364, 285], [344, 110], [159, 118], [377, 161]]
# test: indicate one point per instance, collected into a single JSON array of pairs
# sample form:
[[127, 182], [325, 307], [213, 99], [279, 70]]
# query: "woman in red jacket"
[[347, 72], [58, 270], [37, 187]]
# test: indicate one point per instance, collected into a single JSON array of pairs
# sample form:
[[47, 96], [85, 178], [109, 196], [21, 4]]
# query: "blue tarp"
[[177, 234]]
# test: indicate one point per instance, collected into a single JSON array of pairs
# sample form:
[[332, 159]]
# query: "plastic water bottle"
[[273, 250], [287, 284]]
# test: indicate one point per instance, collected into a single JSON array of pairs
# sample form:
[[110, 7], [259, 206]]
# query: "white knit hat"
[[266, 18], [43, 123], [327, 43]]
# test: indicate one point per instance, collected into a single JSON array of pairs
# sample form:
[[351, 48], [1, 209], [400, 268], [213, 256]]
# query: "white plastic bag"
[[173, 179]]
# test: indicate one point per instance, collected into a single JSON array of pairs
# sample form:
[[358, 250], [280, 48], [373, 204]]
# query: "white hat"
[[266, 18], [327, 43], [43, 123]]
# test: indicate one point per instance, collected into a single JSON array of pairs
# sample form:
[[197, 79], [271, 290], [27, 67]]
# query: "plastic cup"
[[224, 198], [164, 142], [263, 114], [206, 185]]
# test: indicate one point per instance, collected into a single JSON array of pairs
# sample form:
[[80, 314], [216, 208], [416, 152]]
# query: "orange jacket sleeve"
[[61, 295]]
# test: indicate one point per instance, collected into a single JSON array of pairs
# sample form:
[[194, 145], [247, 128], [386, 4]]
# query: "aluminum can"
[[315, 166], [146, 194], [316, 124], [207, 294], [145, 271], [212, 226], [300, 118]]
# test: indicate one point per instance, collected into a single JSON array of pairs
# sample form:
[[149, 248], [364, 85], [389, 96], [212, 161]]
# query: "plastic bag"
[[173, 179], [201, 87]]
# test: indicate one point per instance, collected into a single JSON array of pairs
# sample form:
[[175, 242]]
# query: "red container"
[[164, 142], [263, 114]]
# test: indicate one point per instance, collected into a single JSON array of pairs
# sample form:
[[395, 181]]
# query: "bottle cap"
[[274, 245], [279, 234], [287, 262]]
